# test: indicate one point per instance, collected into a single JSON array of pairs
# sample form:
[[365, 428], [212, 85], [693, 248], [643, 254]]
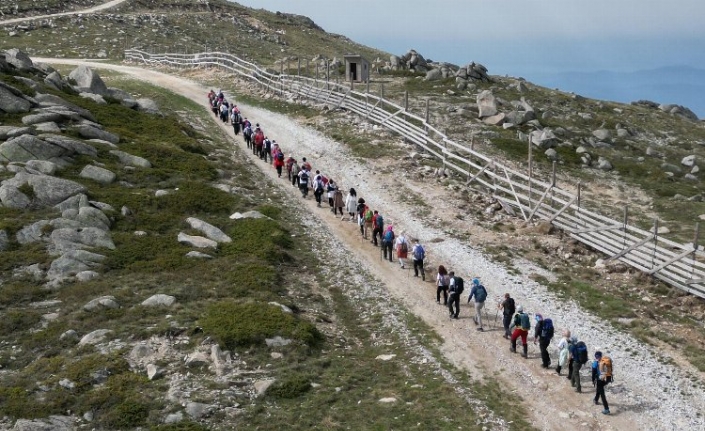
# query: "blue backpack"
[[480, 293], [419, 252], [547, 329], [389, 236]]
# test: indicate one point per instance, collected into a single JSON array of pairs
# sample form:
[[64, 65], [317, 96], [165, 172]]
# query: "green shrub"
[[262, 240], [292, 386], [152, 253], [123, 403], [270, 211], [17, 321], [236, 325], [181, 426], [195, 198]]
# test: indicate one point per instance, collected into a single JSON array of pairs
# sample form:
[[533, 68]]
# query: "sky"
[[520, 38]]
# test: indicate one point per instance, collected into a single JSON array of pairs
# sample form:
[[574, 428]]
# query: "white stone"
[[388, 400], [386, 357], [94, 337], [261, 386]]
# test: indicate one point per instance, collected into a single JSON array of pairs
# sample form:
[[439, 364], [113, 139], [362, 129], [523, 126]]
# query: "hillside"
[[134, 324]]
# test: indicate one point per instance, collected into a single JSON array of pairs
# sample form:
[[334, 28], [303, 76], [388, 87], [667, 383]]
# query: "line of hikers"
[[516, 322]]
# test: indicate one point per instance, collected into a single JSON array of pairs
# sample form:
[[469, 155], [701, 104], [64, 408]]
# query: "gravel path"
[[647, 395], [98, 8]]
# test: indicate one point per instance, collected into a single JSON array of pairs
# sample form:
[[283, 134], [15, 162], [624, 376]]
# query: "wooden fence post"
[[298, 69], [382, 90], [653, 255], [695, 248], [406, 101], [531, 171], [578, 201], [624, 226], [553, 180], [428, 114]]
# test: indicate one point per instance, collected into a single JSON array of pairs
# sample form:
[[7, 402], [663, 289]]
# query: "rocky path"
[[94, 9], [648, 393]]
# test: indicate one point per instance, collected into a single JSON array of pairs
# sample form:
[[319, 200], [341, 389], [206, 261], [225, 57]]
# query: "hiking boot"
[[513, 349], [480, 329], [606, 411], [505, 336], [455, 317], [423, 278], [578, 390], [597, 403], [525, 353], [438, 301]]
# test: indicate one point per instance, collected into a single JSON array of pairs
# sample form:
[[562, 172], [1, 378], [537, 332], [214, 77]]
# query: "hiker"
[[601, 377], [295, 170], [235, 121], [442, 283], [247, 134], [573, 340], [402, 248], [305, 165], [361, 209], [338, 202], [258, 139], [521, 326], [578, 351], [266, 150], [368, 221], [318, 187], [224, 110], [279, 162], [377, 226], [418, 254], [388, 242], [543, 333], [331, 187], [563, 351], [304, 179], [478, 292], [455, 289], [508, 309], [351, 204], [289, 166]]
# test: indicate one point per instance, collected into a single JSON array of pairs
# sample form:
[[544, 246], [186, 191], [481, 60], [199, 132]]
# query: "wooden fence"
[[676, 264]]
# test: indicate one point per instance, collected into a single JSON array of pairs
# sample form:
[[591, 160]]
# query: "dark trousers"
[[507, 321], [236, 128], [279, 171], [256, 149], [418, 266], [266, 152], [570, 369], [335, 210], [317, 194], [443, 289], [376, 231], [387, 247], [248, 141], [575, 381], [543, 347], [304, 189], [294, 179], [600, 393], [454, 300]]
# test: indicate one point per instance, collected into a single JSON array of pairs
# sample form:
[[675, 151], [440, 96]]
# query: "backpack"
[[280, 157], [419, 252], [459, 285], [380, 221], [581, 353], [605, 367], [303, 178], [404, 247], [389, 236], [547, 329], [525, 321], [480, 294], [509, 307], [368, 215]]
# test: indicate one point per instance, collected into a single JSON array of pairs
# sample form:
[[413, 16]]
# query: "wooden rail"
[[680, 265]]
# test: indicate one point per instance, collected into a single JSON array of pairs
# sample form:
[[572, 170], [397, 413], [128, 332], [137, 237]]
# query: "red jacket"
[[259, 138]]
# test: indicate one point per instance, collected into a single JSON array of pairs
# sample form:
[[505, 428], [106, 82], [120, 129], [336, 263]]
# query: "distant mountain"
[[682, 85]]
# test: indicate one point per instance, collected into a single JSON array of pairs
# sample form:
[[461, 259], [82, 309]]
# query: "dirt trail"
[[98, 8], [549, 398]]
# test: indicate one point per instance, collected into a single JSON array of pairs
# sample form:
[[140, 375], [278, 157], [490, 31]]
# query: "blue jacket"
[[473, 292]]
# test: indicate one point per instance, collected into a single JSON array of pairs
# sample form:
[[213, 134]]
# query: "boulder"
[[27, 147], [84, 276], [73, 262], [688, 161], [674, 169], [48, 127], [98, 174], [33, 233], [198, 255], [7, 132], [71, 145], [97, 98], [198, 410], [41, 117], [94, 337], [42, 166], [147, 105], [248, 214], [19, 59], [125, 98], [495, 120], [154, 372], [12, 197], [54, 80], [53, 423], [209, 230], [130, 160], [543, 138], [487, 104], [433, 75], [74, 202], [93, 217], [603, 135], [520, 117], [196, 241], [49, 100], [89, 81], [100, 303], [48, 190], [11, 103], [159, 300], [70, 239], [551, 154], [604, 164], [90, 132]]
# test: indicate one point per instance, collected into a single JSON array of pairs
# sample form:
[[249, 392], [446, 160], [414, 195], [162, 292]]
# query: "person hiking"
[[442, 283], [235, 122], [479, 293], [418, 254], [318, 187], [331, 188], [401, 246], [304, 178], [521, 326], [388, 242], [508, 309], [279, 162], [305, 164], [601, 377], [571, 341], [563, 351], [377, 227], [247, 135], [258, 140], [578, 351], [266, 150], [455, 288], [351, 204], [289, 163], [295, 173], [338, 203], [543, 333], [361, 209]]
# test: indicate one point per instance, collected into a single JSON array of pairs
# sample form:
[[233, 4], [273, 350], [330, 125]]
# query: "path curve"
[[93, 9], [650, 395]]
